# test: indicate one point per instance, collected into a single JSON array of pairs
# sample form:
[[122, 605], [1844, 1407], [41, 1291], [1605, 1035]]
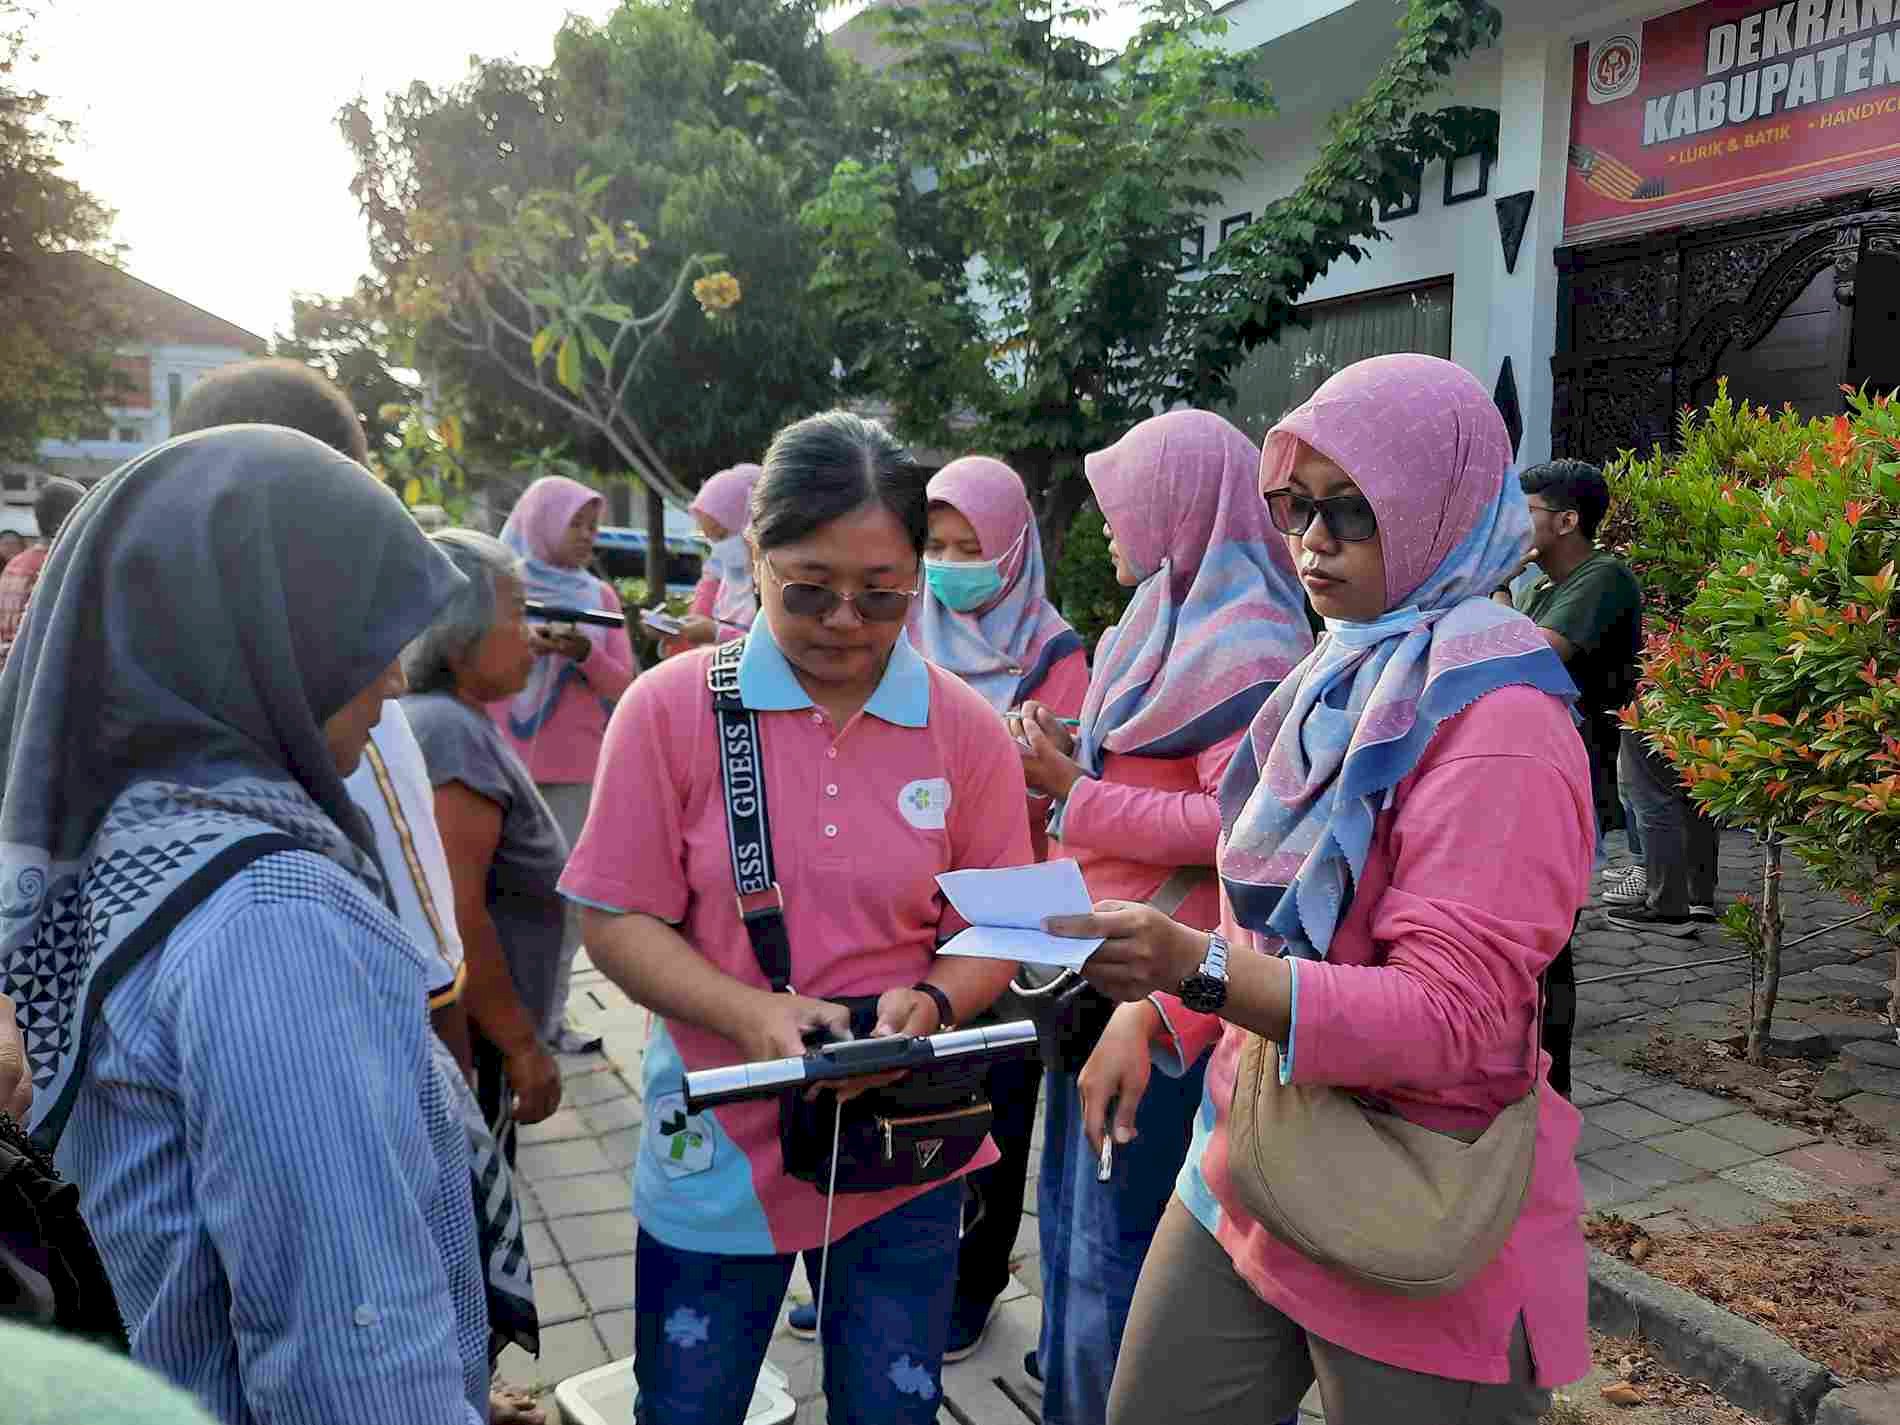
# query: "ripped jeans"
[[703, 1321]]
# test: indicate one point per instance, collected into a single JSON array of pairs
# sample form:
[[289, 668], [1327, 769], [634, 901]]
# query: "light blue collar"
[[768, 684], [1388, 625]]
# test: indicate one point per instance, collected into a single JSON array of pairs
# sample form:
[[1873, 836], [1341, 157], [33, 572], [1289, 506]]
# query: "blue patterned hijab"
[[1426, 447]]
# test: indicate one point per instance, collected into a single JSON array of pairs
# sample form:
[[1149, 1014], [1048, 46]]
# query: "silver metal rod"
[[1726, 959], [709, 1088]]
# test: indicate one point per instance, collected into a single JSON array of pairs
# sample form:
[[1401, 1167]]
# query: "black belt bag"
[[909, 1134]]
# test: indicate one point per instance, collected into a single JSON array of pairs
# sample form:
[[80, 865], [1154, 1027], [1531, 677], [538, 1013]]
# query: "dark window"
[[1467, 176], [1278, 376], [1408, 203], [1193, 247]]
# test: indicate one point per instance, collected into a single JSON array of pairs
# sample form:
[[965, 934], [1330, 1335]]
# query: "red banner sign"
[[1731, 106]]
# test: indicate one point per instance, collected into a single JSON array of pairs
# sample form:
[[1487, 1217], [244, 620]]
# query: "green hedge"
[[1082, 581]]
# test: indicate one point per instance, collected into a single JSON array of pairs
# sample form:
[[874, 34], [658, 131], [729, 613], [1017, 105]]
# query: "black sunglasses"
[[816, 601], [1348, 517]]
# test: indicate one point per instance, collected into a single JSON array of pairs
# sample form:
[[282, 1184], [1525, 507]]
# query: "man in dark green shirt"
[[1588, 604]]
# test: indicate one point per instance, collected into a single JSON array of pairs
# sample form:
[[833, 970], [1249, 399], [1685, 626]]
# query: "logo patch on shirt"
[[925, 803], [682, 1142]]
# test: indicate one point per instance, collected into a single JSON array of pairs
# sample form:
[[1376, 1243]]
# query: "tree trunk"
[[1057, 511], [1762, 1002], [656, 546], [620, 502]]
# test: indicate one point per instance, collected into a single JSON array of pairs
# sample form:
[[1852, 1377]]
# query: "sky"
[[209, 125]]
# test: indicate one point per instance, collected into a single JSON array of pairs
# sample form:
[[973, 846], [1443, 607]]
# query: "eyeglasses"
[[816, 601], [1348, 517], [1545, 509]]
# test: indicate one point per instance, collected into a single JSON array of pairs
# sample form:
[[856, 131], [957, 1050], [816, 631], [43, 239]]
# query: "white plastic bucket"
[[604, 1396]]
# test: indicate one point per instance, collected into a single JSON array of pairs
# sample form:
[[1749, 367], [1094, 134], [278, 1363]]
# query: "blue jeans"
[[703, 1321], [1095, 1236]]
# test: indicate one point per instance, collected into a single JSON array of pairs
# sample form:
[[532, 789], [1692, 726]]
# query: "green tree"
[[59, 319], [1006, 264], [1772, 677], [694, 133], [349, 341], [1001, 262]]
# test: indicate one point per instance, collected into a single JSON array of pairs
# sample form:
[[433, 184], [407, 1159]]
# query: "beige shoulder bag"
[[1356, 1188]]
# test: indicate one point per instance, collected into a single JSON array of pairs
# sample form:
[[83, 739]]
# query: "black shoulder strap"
[[748, 831]]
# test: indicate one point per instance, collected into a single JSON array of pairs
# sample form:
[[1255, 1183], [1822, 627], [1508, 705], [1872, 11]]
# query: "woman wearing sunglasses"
[[985, 615], [1407, 834], [880, 772], [1215, 622]]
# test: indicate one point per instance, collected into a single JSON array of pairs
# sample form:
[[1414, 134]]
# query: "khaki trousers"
[[1202, 1349]]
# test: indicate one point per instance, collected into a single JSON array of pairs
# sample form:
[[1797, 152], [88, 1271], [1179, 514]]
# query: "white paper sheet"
[[1006, 910]]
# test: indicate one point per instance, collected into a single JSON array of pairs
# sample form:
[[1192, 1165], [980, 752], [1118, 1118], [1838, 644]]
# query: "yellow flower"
[[717, 292]]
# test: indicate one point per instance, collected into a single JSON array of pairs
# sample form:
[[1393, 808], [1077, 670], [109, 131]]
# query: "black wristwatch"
[[1205, 991], [946, 1012]]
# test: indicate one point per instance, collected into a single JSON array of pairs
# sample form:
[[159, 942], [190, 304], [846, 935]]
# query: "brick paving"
[[1652, 1150]]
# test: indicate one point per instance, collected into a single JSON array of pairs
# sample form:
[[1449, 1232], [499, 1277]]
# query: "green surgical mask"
[[963, 586]]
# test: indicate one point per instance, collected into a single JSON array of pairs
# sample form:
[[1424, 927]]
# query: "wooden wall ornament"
[[1514, 215], [1505, 395]]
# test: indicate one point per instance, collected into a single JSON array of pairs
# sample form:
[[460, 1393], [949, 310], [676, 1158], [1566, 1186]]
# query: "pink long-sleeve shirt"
[[1142, 819], [1428, 1000], [567, 747], [1065, 687]]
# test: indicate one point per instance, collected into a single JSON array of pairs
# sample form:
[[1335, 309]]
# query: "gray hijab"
[[205, 609]]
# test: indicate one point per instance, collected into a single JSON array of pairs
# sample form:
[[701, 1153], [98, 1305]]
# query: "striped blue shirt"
[[277, 1181]]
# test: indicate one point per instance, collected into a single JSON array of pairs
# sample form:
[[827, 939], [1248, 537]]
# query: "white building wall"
[[1526, 77], [189, 363]]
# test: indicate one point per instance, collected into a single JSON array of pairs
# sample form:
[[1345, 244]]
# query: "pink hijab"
[[1005, 647], [1219, 617], [536, 526], [727, 499], [1425, 444]]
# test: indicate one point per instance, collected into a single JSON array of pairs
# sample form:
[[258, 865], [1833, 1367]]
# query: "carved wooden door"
[[1644, 325]]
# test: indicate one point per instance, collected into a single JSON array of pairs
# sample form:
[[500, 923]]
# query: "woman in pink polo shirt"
[[880, 772], [1216, 621], [556, 723], [1407, 833]]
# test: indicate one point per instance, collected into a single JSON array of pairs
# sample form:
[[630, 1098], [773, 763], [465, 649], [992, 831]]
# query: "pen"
[[1105, 1165], [1060, 722]]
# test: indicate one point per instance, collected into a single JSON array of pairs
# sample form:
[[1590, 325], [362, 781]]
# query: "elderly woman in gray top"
[[505, 851]]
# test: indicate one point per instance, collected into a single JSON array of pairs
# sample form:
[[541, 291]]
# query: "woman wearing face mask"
[[879, 773], [556, 723], [1408, 832], [986, 614], [1216, 621], [726, 600]]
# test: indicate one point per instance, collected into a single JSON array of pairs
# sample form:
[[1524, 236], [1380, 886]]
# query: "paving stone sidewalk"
[[1655, 1151], [1652, 1150]]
